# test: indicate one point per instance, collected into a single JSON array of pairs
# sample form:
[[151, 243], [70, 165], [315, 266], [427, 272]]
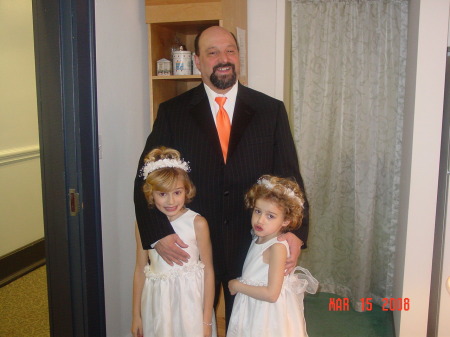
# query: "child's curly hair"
[[284, 192], [163, 179]]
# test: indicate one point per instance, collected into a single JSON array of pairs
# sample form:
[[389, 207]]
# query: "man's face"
[[219, 59]]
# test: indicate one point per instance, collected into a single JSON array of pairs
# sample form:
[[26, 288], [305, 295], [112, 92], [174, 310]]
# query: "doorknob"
[[448, 284]]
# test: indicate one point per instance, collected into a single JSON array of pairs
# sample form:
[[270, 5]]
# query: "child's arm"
[[276, 256], [205, 250], [138, 285]]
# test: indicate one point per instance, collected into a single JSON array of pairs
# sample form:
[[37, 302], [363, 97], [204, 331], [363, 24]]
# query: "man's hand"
[[295, 245], [169, 249]]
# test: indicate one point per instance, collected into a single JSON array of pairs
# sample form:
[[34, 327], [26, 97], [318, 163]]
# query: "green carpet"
[[321, 322]]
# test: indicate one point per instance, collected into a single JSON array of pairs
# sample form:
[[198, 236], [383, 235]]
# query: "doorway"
[[66, 86], [65, 82]]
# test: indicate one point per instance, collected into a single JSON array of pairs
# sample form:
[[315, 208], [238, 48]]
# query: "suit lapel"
[[201, 113], [242, 116]]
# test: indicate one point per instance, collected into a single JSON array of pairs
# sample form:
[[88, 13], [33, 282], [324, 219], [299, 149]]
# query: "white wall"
[[123, 108], [444, 308], [20, 175], [427, 40], [265, 24]]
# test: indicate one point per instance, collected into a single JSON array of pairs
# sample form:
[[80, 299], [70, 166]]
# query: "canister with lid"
[[182, 62]]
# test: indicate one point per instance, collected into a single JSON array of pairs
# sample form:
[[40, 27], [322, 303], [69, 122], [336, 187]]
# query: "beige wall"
[[20, 178]]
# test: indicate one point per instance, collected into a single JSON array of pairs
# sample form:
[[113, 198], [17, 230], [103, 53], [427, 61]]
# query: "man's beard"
[[223, 82]]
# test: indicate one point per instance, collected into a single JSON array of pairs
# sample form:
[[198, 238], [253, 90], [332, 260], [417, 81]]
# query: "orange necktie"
[[223, 126]]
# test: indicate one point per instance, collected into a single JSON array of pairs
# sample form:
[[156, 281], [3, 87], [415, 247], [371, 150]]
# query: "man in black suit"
[[260, 143]]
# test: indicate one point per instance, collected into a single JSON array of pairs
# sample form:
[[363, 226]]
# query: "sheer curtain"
[[348, 64]]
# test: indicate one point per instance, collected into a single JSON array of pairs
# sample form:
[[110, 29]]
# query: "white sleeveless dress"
[[172, 297], [255, 318]]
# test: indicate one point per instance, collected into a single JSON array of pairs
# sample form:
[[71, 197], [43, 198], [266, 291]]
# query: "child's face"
[[171, 203], [267, 219]]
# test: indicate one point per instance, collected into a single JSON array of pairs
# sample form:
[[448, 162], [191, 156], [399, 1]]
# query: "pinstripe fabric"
[[260, 143]]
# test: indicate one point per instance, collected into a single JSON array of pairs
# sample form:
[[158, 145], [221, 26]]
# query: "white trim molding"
[[280, 48], [17, 154]]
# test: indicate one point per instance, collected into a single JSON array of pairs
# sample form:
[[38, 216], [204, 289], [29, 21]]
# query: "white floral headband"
[[151, 166], [287, 191]]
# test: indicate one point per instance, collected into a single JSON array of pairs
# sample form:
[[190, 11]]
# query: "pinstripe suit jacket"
[[260, 143]]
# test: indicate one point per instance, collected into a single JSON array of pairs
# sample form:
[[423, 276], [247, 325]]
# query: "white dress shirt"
[[229, 103]]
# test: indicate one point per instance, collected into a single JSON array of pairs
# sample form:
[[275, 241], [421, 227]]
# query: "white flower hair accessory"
[[151, 166], [287, 191]]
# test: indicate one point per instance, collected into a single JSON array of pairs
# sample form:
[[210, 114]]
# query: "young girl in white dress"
[[173, 301], [267, 303]]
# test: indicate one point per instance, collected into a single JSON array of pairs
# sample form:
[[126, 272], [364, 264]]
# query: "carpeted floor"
[[24, 306], [24, 313]]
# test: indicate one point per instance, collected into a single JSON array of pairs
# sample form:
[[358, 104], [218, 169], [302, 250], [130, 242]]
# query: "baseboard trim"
[[22, 261]]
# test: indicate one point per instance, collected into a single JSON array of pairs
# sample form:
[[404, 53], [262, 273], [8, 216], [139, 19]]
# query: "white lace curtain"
[[348, 72]]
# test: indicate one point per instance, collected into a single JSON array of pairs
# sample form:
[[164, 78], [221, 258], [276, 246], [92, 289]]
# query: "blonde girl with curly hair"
[[267, 302], [173, 300]]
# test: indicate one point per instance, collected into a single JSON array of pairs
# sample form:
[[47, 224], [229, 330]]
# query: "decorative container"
[[182, 62], [163, 67]]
